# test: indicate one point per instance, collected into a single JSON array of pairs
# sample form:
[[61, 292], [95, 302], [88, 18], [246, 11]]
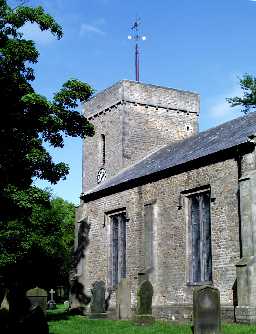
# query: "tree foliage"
[[28, 119], [248, 100], [38, 250]]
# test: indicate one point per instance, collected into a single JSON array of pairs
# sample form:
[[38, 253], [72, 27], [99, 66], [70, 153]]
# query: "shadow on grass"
[[57, 316]]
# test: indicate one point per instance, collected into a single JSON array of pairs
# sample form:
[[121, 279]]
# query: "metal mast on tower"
[[136, 36]]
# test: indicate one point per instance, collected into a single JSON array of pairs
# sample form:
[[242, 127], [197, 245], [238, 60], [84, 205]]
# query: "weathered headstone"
[[51, 305], [98, 300], [4, 304], [206, 310], [144, 303], [4, 310], [123, 300], [38, 297]]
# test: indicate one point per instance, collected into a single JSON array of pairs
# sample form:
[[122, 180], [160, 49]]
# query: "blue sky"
[[201, 46]]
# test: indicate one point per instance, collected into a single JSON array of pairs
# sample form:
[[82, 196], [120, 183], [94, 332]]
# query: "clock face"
[[101, 176]]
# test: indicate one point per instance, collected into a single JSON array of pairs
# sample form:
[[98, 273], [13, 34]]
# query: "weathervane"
[[137, 37]]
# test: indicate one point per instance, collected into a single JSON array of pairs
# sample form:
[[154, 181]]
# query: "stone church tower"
[[132, 120]]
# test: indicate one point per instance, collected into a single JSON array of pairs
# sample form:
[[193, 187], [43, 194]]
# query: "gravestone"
[[51, 305], [67, 304], [4, 304], [38, 297], [123, 300], [206, 310], [4, 310], [144, 303], [98, 300]]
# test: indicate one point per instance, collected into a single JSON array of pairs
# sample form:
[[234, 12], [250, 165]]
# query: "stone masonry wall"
[[136, 119], [171, 264], [149, 128]]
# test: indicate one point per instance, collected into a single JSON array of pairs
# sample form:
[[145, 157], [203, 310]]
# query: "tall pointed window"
[[103, 149], [200, 237], [148, 235], [118, 223]]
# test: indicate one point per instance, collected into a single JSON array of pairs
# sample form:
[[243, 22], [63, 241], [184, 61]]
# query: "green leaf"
[[248, 100]]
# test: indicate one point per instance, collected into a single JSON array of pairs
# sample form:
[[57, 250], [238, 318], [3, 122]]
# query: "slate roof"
[[222, 137]]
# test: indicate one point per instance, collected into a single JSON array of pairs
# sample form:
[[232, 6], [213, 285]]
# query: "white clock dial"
[[101, 176]]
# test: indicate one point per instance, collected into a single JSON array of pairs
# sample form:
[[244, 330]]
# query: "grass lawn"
[[60, 322]]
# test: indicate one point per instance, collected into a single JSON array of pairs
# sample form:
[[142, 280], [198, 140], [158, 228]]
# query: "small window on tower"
[[103, 149]]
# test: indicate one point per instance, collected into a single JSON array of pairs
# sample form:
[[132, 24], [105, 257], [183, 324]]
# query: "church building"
[[162, 199]]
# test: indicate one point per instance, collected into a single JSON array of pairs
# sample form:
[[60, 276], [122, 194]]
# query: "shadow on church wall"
[[79, 297]]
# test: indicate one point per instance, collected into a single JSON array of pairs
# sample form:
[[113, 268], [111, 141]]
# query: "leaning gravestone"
[[38, 297], [144, 303], [206, 310], [98, 300], [123, 300]]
